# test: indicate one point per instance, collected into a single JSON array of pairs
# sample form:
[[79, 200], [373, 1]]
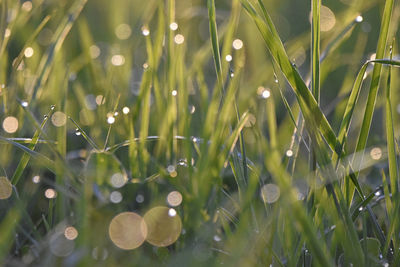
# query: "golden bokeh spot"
[[5, 188], [70, 233], [237, 44], [123, 31], [118, 60], [127, 230], [10, 124], [59, 119], [164, 227], [179, 39], [174, 198], [27, 6], [28, 52], [50, 193], [328, 19], [376, 153]]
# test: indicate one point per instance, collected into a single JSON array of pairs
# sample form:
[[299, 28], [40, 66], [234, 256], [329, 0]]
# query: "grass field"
[[193, 133]]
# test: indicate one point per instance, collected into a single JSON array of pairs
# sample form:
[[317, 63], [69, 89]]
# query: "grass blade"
[[25, 157], [60, 35], [373, 91]]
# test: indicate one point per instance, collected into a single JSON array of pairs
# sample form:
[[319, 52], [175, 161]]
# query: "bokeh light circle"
[[5, 188], [163, 229], [127, 230], [270, 193], [59, 119], [328, 19], [10, 124], [174, 198]]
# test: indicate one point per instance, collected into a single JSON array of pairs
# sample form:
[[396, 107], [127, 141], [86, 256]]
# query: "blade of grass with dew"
[[362, 205], [373, 91], [344, 127], [327, 51], [25, 157], [42, 160], [145, 88], [307, 102], [85, 135], [340, 38], [39, 28], [240, 171], [61, 33], [228, 36]]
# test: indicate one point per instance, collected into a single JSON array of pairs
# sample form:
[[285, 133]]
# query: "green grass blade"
[[20, 56], [376, 74], [25, 157], [315, 47], [307, 102], [48, 58], [215, 43], [391, 146], [339, 38], [41, 158], [85, 135]]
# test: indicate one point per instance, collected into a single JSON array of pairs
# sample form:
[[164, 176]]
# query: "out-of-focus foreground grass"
[[185, 133]]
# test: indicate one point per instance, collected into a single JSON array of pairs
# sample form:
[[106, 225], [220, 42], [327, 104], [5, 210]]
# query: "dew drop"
[[173, 26], [237, 44], [179, 39], [145, 31], [217, 238], [289, 153], [125, 110]]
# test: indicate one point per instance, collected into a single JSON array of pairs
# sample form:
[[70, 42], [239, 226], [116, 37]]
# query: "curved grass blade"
[[25, 157], [309, 106], [64, 28], [215, 43], [315, 48], [363, 204], [42, 159], [85, 135], [376, 74], [391, 147], [20, 56], [339, 38]]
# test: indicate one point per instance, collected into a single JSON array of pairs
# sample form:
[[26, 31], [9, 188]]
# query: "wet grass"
[[238, 133]]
